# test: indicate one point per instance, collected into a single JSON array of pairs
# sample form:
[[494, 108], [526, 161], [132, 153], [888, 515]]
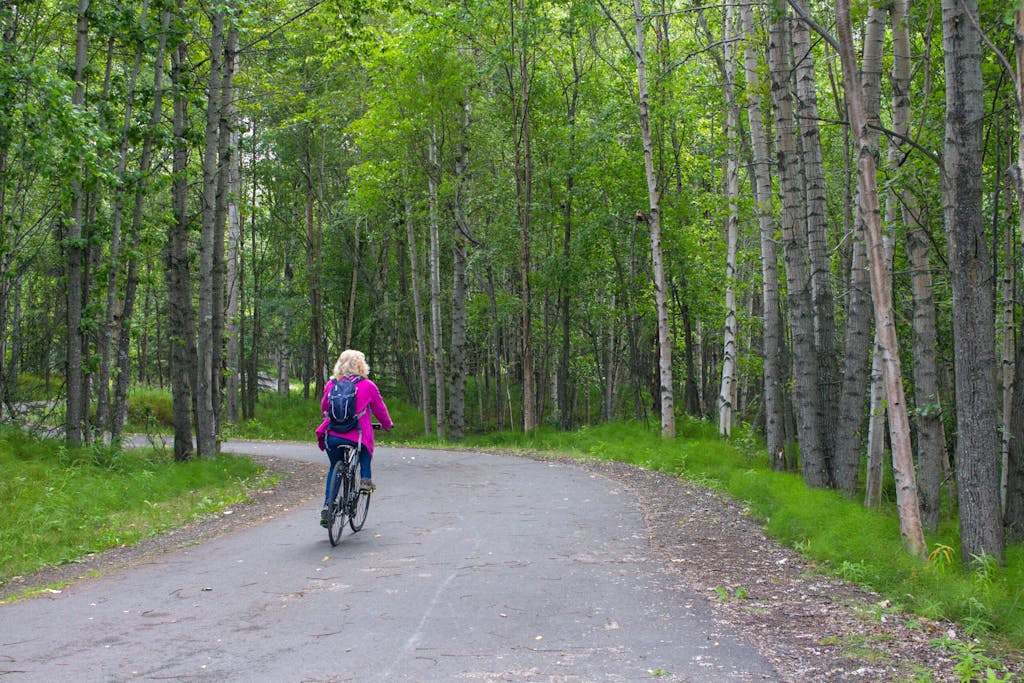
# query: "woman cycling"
[[352, 367]]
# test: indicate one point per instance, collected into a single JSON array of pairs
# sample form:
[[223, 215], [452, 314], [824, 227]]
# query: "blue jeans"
[[334, 445]]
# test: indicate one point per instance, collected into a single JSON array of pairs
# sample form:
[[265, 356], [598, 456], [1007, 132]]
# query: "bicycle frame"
[[346, 493]]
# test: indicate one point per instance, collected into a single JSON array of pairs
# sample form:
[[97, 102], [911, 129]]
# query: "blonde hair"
[[351, 362]]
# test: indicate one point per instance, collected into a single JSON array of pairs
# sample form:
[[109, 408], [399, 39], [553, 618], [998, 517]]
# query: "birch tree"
[[206, 441], [1014, 492], [971, 275], [805, 371], [177, 274], [76, 397], [816, 214], [417, 307], [436, 345], [518, 76], [653, 216], [727, 391], [121, 386], [867, 184], [932, 459], [772, 334]]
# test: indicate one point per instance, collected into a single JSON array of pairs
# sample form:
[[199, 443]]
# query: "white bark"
[[417, 306], [732, 183], [435, 291], [668, 418], [867, 182], [772, 334]]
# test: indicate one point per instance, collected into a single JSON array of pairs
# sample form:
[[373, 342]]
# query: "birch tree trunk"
[[233, 331], [867, 183], [520, 92], [225, 151], [120, 408], [572, 95], [314, 260], [931, 438], [876, 431], [460, 246], [1014, 492], [971, 276], [417, 306], [856, 364], [206, 442], [732, 184], [652, 217], [76, 396], [113, 314], [653, 220], [1014, 514], [457, 402], [1009, 326], [350, 317], [849, 430], [773, 335], [181, 316], [807, 394], [233, 279], [437, 347], [822, 300]]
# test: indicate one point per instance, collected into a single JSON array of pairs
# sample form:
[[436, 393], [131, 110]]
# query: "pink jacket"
[[367, 394]]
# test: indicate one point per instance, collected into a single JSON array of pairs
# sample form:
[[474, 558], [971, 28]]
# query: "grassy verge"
[[57, 505]]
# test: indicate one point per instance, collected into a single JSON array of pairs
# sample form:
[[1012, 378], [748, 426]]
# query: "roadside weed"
[[973, 663]]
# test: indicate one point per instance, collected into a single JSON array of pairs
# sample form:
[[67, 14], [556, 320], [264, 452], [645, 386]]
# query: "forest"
[[805, 217]]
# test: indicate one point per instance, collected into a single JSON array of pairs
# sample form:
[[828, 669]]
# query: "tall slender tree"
[[206, 438], [931, 438], [177, 273], [772, 335], [76, 396], [652, 217], [971, 276], [809, 429], [867, 185], [727, 391]]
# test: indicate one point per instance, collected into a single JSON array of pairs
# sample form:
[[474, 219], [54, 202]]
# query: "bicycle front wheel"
[[339, 510], [360, 506]]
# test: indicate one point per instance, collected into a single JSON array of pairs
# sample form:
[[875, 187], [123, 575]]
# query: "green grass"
[[58, 505]]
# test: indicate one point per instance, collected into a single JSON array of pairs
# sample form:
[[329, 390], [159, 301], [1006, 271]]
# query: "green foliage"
[[150, 411], [973, 663], [57, 505], [280, 418]]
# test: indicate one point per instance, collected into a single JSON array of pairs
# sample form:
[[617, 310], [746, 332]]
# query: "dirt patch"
[[811, 627]]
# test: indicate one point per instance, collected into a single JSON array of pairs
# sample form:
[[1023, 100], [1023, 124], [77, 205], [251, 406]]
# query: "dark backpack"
[[341, 405]]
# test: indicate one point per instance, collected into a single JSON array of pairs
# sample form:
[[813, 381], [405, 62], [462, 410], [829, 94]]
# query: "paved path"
[[470, 567]]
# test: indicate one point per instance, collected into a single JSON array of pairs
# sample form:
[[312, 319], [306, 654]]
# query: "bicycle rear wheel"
[[360, 506], [339, 510]]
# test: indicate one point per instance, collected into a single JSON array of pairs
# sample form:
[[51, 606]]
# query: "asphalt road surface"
[[471, 567]]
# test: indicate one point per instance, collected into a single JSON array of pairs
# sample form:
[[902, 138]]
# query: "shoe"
[[367, 485], [325, 517]]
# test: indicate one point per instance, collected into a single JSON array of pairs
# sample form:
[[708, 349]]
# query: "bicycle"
[[351, 502]]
